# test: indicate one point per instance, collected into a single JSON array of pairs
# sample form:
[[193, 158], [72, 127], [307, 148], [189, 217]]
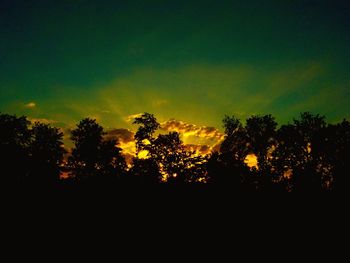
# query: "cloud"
[[122, 135], [30, 105], [131, 117], [187, 129], [198, 149], [125, 140], [42, 120]]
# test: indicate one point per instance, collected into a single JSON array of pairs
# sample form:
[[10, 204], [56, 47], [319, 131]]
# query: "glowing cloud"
[[187, 129], [125, 140], [132, 117], [199, 149], [42, 120], [30, 105]]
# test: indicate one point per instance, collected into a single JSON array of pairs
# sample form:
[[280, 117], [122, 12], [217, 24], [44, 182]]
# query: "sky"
[[187, 62]]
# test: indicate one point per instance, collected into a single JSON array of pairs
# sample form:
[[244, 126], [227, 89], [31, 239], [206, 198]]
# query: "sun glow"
[[143, 154], [251, 161]]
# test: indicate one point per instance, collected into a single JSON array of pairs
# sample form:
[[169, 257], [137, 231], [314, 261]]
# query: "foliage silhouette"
[[306, 156], [92, 157], [46, 153], [14, 142], [167, 152]]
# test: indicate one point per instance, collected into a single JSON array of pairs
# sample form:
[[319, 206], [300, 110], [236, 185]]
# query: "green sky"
[[190, 60]]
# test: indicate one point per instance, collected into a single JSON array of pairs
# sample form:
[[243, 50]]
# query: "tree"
[[235, 143], [87, 138], [111, 161], [167, 153], [46, 153], [14, 141], [226, 168], [147, 126], [299, 151], [92, 156], [144, 172], [261, 133], [335, 154], [175, 162]]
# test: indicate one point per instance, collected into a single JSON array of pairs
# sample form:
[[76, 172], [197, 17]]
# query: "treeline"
[[308, 155]]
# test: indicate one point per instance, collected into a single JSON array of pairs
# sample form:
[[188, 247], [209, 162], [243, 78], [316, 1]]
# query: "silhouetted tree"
[[178, 164], [261, 133], [92, 156], [144, 136], [296, 152], [87, 138], [235, 144], [335, 153], [144, 172], [167, 152], [14, 141], [307, 156], [111, 161], [227, 168], [46, 153]]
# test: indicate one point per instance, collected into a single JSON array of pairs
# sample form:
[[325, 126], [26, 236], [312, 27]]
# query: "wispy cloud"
[[131, 117], [30, 105], [42, 120]]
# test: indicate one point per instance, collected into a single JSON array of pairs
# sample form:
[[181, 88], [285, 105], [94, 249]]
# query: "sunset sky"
[[187, 62]]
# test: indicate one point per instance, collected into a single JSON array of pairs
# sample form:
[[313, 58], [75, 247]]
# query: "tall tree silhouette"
[[299, 152], [14, 141], [227, 168], [87, 138], [178, 164], [308, 178], [46, 153], [341, 152], [235, 144], [145, 133], [111, 161], [146, 169], [334, 155], [261, 133], [167, 152], [92, 156]]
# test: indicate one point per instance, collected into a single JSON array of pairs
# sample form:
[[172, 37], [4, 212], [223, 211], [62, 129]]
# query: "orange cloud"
[[125, 140], [187, 129], [198, 149]]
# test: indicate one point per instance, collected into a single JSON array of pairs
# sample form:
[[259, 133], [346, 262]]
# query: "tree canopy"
[[308, 155]]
